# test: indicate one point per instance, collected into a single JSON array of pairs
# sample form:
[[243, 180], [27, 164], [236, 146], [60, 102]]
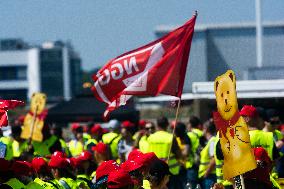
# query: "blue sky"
[[102, 29]]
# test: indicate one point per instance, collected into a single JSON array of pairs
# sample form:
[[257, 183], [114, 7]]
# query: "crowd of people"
[[126, 155]]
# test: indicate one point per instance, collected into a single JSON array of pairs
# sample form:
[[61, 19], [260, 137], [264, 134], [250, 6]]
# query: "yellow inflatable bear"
[[34, 120], [233, 131]]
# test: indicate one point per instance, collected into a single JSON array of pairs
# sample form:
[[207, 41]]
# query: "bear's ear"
[[216, 85], [231, 76]]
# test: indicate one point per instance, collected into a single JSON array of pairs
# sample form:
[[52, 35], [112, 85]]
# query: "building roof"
[[247, 89], [204, 27]]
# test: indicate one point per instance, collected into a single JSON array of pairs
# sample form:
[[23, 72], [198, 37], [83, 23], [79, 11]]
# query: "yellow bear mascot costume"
[[233, 131], [34, 120]]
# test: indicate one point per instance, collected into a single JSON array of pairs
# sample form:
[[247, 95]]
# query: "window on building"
[[13, 73]]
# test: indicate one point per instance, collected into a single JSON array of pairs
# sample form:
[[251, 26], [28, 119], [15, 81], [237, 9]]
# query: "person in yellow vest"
[[206, 170], [254, 118], [126, 143], [159, 174], [162, 143], [21, 174], [271, 125], [195, 126], [219, 161], [96, 136], [7, 147], [84, 164], [184, 143], [57, 131], [61, 171], [19, 145], [49, 144], [101, 152], [142, 137], [112, 137], [76, 146], [43, 175]]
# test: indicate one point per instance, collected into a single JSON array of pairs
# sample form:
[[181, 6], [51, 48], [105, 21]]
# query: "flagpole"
[[173, 133]]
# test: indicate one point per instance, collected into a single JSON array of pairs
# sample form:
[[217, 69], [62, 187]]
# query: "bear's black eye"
[[222, 95], [227, 92]]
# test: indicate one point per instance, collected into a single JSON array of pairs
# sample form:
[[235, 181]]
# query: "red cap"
[[97, 129], [146, 158], [248, 110], [105, 168], [75, 126], [85, 156], [85, 128], [142, 123], [58, 162], [58, 154], [127, 124], [130, 165], [5, 165], [101, 148], [73, 162], [119, 179], [261, 154], [134, 154], [39, 164], [21, 167]]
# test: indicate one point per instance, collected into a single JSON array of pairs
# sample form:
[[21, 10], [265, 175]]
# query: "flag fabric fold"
[[156, 68], [6, 105]]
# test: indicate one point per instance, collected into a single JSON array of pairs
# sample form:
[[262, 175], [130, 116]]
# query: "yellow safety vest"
[[146, 184], [15, 184], [68, 181], [112, 140], [90, 141], [42, 148], [18, 148], [160, 143], [84, 180], [75, 147], [143, 144], [190, 160], [34, 185], [277, 135], [205, 159], [263, 139], [198, 132], [8, 141], [49, 185], [64, 147], [219, 166]]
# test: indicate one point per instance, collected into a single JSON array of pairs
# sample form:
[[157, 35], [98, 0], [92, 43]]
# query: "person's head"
[[60, 167], [180, 130], [209, 128], [16, 132], [158, 174], [56, 130], [273, 119], [97, 131], [194, 122], [22, 170], [114, 125], [150, 128], [83, 162], [134, 169], [253, 116], [162, 123], [127, 129], [41, 168], [101, 152], [78, 133]]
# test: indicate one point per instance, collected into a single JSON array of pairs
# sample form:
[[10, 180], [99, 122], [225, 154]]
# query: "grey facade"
[[217, 48]]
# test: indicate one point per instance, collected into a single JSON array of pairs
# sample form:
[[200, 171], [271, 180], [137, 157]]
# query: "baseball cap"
[[100, 148], [127, 124], [142, 123], [105, 168], [74, 126], [134, 154], [58, 162], [59, 154], [21, 167], [249, 110], [97, 129], [130, 165], [119, 179], [39, 164], [147, 158], [85, 156]]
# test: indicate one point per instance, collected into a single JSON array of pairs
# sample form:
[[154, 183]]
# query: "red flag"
[[5, 105], [156, 68]]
